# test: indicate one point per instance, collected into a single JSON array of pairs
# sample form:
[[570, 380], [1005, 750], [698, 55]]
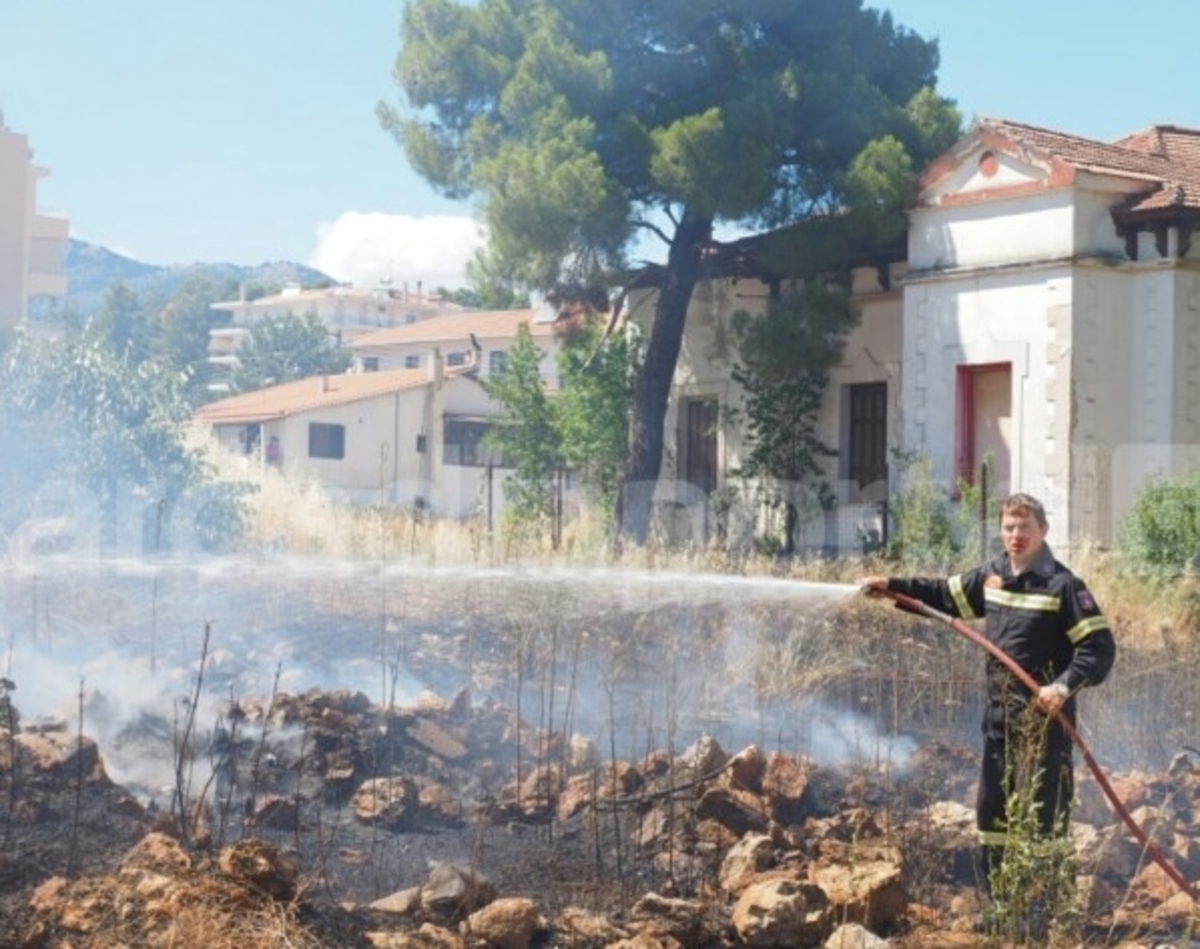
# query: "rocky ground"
[[323, 819]]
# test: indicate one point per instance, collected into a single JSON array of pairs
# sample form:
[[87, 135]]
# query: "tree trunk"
[[654, 381]]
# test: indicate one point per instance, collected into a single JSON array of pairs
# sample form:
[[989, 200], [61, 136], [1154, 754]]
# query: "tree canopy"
[[582, 126], [284, 348]]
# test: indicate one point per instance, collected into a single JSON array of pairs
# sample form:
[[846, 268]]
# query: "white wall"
[[1030, 229]]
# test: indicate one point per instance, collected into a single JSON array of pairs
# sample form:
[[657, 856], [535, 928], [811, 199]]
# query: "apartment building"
[[33, 246]]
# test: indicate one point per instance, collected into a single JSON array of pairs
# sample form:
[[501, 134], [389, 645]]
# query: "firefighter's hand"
[[873, 587], [1051, 698]]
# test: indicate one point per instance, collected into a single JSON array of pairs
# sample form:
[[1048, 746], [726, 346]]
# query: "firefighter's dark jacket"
[[1046, 619]]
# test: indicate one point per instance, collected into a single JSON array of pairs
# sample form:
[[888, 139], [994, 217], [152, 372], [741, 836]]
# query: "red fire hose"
[[911, 605]]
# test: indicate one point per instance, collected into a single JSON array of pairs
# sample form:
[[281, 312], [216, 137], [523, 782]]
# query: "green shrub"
[[923, 526], [1162, 532]]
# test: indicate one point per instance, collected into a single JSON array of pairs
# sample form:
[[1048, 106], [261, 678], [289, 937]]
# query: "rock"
[[739, 811], [438, 804], [436, 739], [682, 919], [451, 892], [402, 903], [503, 924], [854, 936], [620, 779], [387, 801], [261, 866], [785, 786], [746, 769], [745, 860], [575, 926], [705, 757], [870, 893], [576, 795], [782, 912]]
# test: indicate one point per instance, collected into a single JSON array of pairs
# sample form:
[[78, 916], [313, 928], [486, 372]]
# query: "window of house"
[[370, 364], [497, 363], [326, 441], [866, 436], [412, 362], [463, 444], [456, 359], [983, 423]]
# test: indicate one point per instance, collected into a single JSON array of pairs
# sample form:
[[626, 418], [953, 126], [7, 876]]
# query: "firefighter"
[[1047, 620]]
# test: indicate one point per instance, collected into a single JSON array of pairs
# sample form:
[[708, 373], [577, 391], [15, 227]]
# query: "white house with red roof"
[[405, 428], [1052, 316], [404, 437], [1045, 312]]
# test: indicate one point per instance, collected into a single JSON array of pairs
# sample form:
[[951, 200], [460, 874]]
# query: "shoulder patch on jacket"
[[1086, 601]]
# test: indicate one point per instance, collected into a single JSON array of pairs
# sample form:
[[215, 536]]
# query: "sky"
[[244, 131]]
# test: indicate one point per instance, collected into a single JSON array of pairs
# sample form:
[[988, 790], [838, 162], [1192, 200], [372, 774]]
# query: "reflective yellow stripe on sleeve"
[[961, 603], [1084, 628], [993, 838], [1039, 602]]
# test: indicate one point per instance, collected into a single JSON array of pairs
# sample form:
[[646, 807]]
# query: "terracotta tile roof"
[[1165, 156], [458, 327], [316, 392]]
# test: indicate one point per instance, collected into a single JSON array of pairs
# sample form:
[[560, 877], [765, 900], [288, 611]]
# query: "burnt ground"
[[290, 773], [61, 816]]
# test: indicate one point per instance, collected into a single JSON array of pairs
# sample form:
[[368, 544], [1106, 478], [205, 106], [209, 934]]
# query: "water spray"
[[1149, 847]]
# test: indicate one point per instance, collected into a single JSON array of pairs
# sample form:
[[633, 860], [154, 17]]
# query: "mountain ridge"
[[93, 269]]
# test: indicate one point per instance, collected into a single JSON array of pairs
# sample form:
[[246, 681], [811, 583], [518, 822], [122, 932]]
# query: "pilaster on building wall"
[[1190, 355]]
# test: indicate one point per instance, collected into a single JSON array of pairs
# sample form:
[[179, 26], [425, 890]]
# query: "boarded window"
[[983, 417]]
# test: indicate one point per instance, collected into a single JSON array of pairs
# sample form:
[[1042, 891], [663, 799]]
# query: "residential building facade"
[[1044, 316], [347, 312], [406, 438], [474, 338], [33, 245], [1052, 317], [405, 428]]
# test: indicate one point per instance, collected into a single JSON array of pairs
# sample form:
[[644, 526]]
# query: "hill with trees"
[[92, 270]]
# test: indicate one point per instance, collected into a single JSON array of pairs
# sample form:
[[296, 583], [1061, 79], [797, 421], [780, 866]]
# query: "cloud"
[[365, 248]]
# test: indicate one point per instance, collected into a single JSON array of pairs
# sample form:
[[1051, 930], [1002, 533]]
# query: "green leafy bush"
[[1162, 532], [922, 517]]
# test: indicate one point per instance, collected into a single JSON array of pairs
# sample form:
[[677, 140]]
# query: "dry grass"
[[891, 666]]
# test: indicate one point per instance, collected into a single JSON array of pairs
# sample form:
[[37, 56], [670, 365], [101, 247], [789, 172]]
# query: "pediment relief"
[[988, 167]]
